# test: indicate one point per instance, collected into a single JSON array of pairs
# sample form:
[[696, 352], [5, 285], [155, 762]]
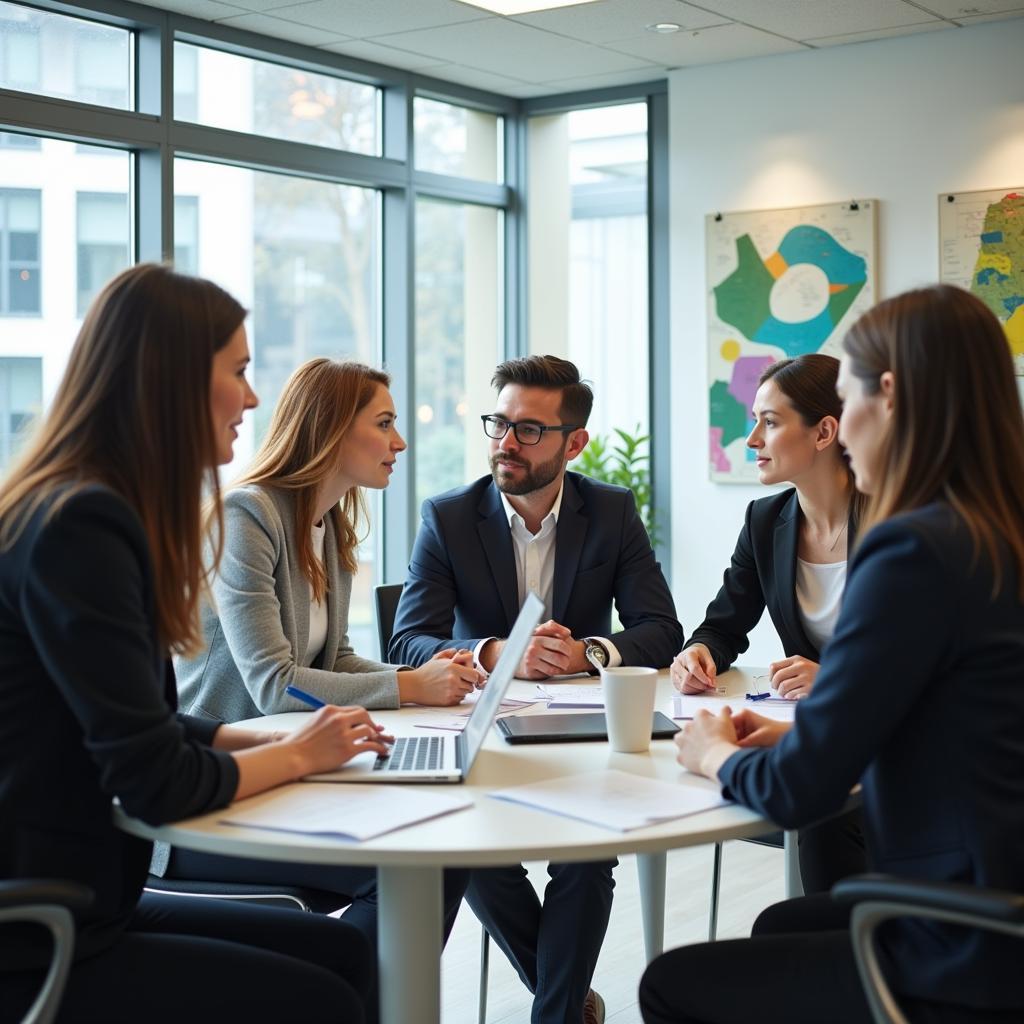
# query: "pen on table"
[[306, 698], [758, 696]]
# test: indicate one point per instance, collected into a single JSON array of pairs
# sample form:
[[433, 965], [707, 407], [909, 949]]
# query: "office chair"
[[299, 897], [385, 599], [877, 898], [48, 902], [786, 841]]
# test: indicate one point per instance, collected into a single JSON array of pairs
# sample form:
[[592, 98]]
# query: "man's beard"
[[533, 479]]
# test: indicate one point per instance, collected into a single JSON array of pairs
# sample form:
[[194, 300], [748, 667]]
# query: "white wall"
[[898, 120]]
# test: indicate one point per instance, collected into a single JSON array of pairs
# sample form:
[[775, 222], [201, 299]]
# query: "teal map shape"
[[743, 298]]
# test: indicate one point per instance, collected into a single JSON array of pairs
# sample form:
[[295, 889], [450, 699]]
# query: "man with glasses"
[[580, 545]]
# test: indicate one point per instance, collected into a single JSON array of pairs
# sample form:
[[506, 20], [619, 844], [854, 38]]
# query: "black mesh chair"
[[48, 902], [298, 897], [385, 599], [878, 898]]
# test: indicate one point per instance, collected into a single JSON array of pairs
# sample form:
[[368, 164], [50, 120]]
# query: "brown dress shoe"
[[593, 1009]]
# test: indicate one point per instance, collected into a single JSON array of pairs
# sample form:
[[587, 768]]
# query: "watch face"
[[597, 655]]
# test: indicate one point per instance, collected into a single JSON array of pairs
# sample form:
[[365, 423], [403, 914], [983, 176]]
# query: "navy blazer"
[[762, 574], [87, 701], [919, 697], [462, 585]]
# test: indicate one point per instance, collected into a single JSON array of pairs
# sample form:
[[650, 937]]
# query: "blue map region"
[[1013, 303], [807, 244], [990, 274], [991, 236], [796, 339]]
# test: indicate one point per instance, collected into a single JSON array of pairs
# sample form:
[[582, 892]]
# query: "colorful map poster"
[[981, 248], [781, 283]]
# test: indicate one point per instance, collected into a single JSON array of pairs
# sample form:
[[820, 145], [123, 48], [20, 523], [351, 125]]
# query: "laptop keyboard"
[[417, 753]]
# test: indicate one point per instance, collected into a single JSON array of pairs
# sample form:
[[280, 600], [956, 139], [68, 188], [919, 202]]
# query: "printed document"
[[777, 708]]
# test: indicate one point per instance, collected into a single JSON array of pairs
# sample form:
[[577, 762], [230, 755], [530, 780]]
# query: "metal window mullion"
[[461, 190], [516, 340]]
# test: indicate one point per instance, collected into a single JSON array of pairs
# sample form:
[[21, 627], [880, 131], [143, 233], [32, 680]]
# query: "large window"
[[20, 252], [458, 339], [456, 140], [588, 254]]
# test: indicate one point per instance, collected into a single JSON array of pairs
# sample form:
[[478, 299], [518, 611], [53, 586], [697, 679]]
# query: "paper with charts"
[[617, 800], [342, 812], [780, 283], [778, 708], [981, 248]]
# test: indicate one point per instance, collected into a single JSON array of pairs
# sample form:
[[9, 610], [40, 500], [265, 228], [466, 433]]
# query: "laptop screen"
[[491, 695]]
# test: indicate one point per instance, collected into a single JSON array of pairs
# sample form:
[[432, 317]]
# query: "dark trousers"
[[796, 968], [831, 850], [206, 961], [553, 946]]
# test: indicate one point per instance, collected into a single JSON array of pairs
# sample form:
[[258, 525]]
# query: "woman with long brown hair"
[[791, 557], [279, 614], [919, 697], [100, 579]]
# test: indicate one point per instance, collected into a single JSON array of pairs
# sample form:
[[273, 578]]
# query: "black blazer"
[[762, 574], [462, 584], [87, 703], [920, 697]]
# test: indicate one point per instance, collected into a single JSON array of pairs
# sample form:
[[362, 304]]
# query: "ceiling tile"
[[361, 18], [706, 46], [882, 33], [363, 49], [255, 6], [798, 19], [974, 19], [957, 9], [478, 79], [610, 20], [507, 48], [268, 25], [599, 81], [208, 10]]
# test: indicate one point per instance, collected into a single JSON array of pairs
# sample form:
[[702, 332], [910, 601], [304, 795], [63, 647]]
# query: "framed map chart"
[[780, 283], [981, 248]]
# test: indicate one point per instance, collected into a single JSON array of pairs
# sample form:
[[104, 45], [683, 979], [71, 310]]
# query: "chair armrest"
[[35, 891], [988, 904]]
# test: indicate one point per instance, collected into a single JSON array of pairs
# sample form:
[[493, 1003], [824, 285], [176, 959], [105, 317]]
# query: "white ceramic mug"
[[629, 706]]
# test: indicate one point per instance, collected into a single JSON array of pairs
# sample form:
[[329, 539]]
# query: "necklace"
[[838, 535]]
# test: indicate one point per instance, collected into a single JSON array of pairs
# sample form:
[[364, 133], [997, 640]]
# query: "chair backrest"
[[385, 598]]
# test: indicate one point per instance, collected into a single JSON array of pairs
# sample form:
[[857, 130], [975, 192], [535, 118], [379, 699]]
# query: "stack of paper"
[[344, 812], [618, 800], [573, 696], [778, 708]]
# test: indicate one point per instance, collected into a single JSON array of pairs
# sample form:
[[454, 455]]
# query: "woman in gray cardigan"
[[279, 614]]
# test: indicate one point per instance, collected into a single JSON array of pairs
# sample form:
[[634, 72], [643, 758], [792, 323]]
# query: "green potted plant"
[[624, 459]]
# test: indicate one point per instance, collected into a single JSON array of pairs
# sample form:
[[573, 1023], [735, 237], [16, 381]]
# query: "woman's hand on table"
[[442, 682], [707, 742], [693, 670], [754, 730], [793, 677]]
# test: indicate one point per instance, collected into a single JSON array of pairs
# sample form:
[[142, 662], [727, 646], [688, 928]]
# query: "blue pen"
[[750, 696], [306, 698]]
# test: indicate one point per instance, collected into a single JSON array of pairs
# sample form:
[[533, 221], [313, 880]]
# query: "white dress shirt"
[[317, 609]]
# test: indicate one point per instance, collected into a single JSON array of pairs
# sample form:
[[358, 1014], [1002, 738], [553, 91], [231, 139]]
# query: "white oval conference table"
[[491, 832]]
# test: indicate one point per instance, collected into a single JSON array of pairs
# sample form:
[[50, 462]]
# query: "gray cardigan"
[[259, 629]]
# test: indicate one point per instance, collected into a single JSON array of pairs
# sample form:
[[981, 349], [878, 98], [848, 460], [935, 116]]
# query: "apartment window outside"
[[103, 232], [21, 400], [20, 252]]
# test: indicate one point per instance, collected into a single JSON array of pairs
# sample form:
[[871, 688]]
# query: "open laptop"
[[447, 758]]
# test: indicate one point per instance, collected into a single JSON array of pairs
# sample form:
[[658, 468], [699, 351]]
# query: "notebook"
[[447, 758], [572, 728]]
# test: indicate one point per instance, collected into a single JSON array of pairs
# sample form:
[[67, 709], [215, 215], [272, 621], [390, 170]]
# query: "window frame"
[[7, 264]]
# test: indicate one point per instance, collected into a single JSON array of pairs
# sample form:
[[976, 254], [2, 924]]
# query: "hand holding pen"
[[334, 735]]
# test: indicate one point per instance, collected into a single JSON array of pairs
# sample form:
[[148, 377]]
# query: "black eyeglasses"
[[526, 433]]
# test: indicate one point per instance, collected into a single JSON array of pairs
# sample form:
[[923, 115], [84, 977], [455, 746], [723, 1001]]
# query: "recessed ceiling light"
[[523, 6], [663, 28]]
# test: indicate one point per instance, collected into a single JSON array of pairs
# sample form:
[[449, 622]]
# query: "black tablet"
[[571, 728]]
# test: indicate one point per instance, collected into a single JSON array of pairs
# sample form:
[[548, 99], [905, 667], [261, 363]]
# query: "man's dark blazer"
[[462, 584], [87, 700], [762, 574], [920, 697]]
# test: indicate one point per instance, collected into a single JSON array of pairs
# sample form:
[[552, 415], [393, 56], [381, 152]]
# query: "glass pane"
[[588, 254], [103, 234], [304, 257], [247, 95], [457, 140], [69, 58], [458, 339], [21, 399], [186, 234]]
